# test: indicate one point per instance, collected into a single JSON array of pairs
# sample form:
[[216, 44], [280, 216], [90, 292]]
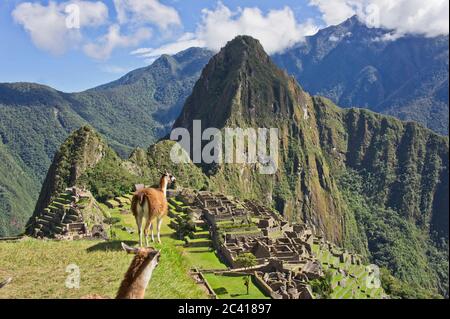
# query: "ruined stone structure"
[[284, 254], [74, 214]]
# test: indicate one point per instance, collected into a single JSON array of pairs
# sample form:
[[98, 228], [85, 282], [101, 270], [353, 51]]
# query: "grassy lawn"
[[227, 287], [203, 258], [38, 267]]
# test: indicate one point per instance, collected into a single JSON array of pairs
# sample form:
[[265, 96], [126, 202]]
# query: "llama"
[[138, 275], [148, 204]]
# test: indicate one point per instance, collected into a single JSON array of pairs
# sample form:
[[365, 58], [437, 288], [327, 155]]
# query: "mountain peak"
[[242, 48], [82, 150], [229, 89]]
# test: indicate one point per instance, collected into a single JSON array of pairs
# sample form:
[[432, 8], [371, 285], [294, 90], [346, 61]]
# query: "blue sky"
[[112, 37]]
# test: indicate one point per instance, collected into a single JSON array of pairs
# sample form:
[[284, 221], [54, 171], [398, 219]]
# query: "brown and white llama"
[[138, 275], [149, 204]]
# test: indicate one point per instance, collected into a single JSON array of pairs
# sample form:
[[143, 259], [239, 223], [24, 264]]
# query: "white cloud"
[[146, 11], [334, 11], [103, 47], [188, 40], [47, 24], [276, 30], [91, 13], [430, 18]]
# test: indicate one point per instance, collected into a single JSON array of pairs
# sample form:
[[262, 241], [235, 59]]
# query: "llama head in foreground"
[[139, 273]]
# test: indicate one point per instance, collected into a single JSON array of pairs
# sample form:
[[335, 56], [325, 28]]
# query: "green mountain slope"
[[17, 194]]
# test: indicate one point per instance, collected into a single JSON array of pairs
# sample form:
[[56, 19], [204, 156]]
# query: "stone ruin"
[[283, 251], [284, 285], [218, 207], [74, 214]]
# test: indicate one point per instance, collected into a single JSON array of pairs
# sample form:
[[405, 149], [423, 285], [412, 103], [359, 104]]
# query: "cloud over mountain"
[[50, 28], [145, 11], [276, 30], [429, 18]]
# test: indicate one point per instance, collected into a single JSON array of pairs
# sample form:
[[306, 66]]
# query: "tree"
[[322, 286], [247, 260]]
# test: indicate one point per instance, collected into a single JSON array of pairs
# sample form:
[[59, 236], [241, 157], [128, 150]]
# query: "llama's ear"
[[128, 249]]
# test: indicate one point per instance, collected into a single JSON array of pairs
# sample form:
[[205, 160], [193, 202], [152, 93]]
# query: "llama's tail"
[[137, 200]]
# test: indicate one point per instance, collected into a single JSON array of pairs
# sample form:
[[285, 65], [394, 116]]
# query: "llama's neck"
[[136, 279], [163, 185]]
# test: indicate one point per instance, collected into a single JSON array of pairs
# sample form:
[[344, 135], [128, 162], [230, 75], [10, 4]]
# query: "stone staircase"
[[60, 218]]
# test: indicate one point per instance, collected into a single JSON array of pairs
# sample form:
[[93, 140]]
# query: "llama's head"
[[148, 256], [139, 273], [169, 178]]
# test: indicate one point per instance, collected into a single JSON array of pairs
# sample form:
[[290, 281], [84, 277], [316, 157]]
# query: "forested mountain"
[[35, 120]]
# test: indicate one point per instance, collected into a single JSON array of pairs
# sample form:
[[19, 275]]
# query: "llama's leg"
[[139, 227], [159, 228], [151, 228], [148, 225]]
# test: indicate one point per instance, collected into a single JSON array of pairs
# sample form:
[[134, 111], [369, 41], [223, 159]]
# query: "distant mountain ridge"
[[358, 66]]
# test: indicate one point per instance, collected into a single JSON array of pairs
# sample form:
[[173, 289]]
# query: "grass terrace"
[[232, 287]]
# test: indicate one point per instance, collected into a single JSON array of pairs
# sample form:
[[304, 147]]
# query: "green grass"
[[203, 258], [227, 287], [38, 267], [351, 289], [38, 270]]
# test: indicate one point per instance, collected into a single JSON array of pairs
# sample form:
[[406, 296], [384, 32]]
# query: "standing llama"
[[138, 275], [148, 204]]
